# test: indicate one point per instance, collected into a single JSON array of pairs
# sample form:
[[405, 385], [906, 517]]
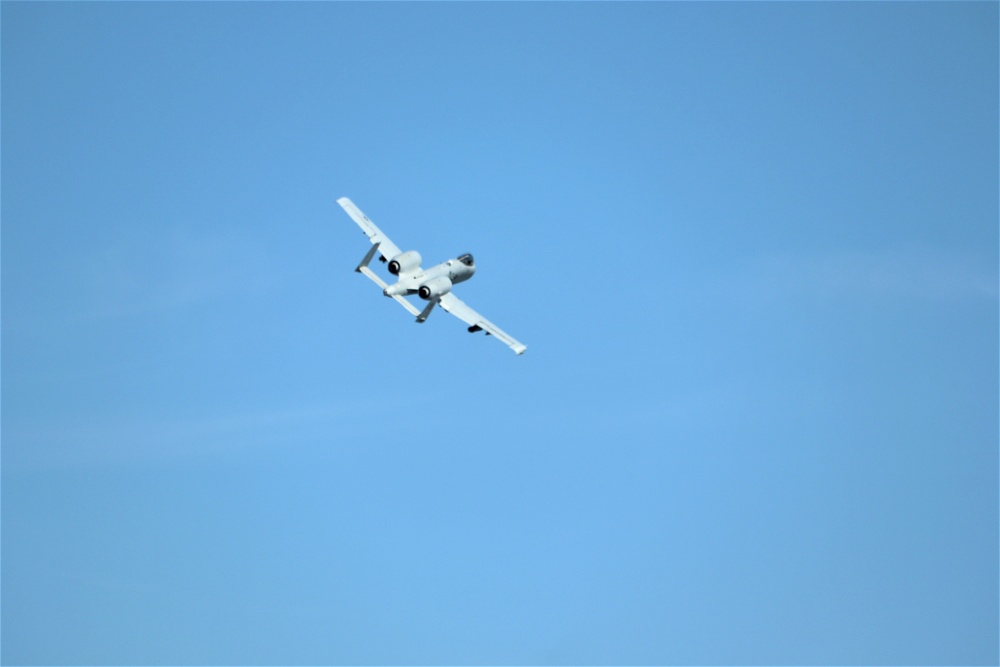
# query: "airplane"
[[432, 285]]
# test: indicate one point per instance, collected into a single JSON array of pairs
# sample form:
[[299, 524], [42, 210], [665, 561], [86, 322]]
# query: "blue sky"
[[752, 249]]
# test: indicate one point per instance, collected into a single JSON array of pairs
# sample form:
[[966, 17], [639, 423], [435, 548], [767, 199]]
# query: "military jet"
[[433, 285]]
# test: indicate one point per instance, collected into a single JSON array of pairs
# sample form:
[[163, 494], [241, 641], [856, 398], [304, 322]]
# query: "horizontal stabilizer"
[[363, 269]]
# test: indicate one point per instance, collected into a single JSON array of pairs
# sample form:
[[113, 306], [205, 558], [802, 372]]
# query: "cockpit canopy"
[[466, 259]]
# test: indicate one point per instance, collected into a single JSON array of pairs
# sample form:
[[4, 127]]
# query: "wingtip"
[[519, 349]]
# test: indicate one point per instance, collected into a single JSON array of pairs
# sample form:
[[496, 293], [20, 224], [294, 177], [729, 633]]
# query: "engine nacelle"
[[435, 288], [404, 262]]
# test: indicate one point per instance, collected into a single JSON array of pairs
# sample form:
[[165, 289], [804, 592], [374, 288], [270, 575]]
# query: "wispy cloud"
[[177, 270], [164, 439], [893, 274]]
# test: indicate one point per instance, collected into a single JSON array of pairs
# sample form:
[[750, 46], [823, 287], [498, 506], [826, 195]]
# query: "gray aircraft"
[[432, 285]]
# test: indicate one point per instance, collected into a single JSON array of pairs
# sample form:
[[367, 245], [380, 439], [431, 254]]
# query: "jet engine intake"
[[435, 288], [404, 262]]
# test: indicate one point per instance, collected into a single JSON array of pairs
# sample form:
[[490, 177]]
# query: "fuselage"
[[436, 280]]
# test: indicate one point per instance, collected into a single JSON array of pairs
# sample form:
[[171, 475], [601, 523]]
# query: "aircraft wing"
[[457, 307], [374, 234], [380, 244]]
